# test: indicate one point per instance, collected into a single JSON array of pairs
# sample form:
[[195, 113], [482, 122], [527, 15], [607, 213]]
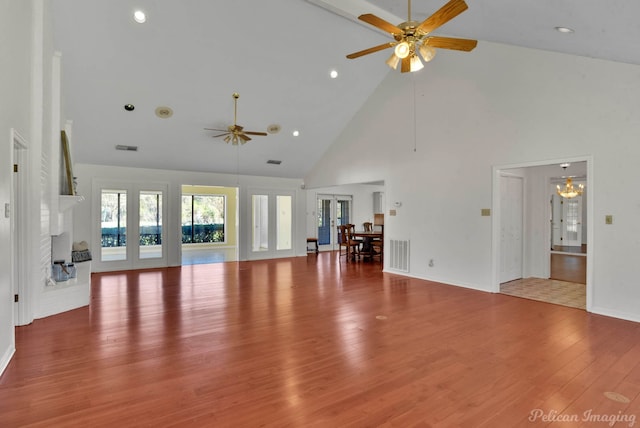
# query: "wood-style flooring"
[[316, 342]]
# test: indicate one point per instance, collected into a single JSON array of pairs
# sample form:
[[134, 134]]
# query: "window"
[[203, 219]]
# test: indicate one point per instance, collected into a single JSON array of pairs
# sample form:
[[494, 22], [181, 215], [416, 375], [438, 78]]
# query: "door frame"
[[132, 259], [495, 224], [272, 252], [19, 234], [334, 198]]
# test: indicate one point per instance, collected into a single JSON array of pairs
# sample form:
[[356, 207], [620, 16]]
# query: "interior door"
[[332, 211], [511, 228]]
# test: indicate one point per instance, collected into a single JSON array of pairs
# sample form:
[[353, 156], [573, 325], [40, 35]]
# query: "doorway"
[[332, 211], [209, 224], [17, 211], [539, 255]]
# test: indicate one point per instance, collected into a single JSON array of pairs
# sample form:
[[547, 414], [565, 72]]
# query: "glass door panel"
[[284, 222], [260, 222], [572, 221], [113, 225], [150, 225], [325, 222]]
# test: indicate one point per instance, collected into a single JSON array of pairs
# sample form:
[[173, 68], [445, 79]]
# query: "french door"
[[332, 211], [272, 224], [566, 225], [130, 231], [572, 222]]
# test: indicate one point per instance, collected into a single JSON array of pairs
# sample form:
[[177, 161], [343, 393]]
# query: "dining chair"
[[378, 245], [346, 241], [367, 226]]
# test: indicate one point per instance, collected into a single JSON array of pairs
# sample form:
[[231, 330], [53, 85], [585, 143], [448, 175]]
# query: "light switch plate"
[[485, 212], [392, 212], [608, 219]]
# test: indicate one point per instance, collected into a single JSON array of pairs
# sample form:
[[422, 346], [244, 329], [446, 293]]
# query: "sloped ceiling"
[[192, 55]]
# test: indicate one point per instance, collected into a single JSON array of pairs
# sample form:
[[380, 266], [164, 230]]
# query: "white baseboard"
[[6, 358]]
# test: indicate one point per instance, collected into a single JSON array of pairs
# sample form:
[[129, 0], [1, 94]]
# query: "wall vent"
[[127, 148], [399, 255], [274, 162]]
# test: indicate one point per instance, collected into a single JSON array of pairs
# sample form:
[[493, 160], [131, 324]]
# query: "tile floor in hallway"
[[548, 290]]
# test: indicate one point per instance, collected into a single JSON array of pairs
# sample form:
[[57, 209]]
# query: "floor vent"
[[399, 255]]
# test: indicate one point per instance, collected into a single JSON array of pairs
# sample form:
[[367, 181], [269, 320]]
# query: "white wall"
[[84, 218], [498, 105], [15, 63], [25, 61]]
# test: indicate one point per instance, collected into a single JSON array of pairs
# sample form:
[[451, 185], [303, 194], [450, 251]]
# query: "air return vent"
[[127, 148], [274, 162], [399, 255]]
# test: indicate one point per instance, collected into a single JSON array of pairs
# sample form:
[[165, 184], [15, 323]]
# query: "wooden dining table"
[[367, 237]]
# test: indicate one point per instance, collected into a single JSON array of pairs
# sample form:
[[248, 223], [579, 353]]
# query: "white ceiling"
[[192, 55]]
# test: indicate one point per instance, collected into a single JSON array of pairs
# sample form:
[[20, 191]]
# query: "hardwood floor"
[[316, 342], [569, 267]]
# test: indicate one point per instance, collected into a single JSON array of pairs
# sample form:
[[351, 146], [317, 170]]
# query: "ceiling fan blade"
[[255, 133], [244, 138], [370, 50], [219, 135], [219, 130], [406, 65], [451, 43], [380, 23], [442, 16]]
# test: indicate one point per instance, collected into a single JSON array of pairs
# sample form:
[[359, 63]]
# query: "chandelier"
[[568, 191]]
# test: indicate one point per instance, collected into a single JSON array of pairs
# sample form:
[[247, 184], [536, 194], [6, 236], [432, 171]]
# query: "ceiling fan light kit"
[[412, 37], [235, 134]]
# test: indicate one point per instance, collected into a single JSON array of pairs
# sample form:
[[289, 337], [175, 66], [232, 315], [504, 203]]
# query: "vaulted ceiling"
[[190, 56]]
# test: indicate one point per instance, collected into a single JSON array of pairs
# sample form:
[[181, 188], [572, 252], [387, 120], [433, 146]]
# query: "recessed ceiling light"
[[140, 17], [564, 29], [333, 74], [129, 107], [296, 133]]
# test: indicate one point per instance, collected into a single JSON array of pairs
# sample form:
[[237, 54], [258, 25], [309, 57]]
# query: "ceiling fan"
[[412, 37], [235, 133]]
